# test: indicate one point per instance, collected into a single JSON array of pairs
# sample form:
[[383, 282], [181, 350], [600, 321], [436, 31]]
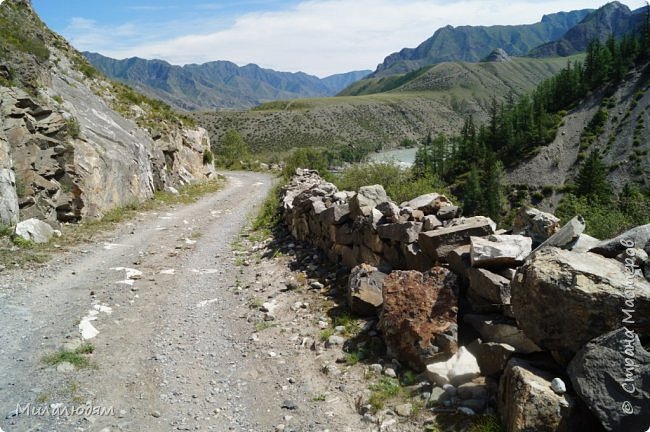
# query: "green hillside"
[[519, 75], [436, 101]]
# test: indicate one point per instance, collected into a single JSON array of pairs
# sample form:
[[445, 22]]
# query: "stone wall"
[[367, 227], [516, 321]]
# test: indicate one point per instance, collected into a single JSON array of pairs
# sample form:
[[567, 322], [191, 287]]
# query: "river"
[[403, 156]]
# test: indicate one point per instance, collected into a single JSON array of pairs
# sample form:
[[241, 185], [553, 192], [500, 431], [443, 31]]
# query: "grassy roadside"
[[15, 252]]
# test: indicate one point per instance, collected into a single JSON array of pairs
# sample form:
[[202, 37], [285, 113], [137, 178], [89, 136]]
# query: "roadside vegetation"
[[79, 357]]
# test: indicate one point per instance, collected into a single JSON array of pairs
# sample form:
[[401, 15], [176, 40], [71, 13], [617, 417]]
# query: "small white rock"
[[466, 411], [558, 386]]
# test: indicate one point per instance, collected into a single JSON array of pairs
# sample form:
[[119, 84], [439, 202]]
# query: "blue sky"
[[321, 37]]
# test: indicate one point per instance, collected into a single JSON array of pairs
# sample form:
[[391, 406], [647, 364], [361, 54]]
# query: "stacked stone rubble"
[[559, 319]]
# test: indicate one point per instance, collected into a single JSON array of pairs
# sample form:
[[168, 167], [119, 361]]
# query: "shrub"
[[208, 157], [233, 153], [72, 127], [269, 214], [5, 231], [399, 183], [308, 158], [607, 220]]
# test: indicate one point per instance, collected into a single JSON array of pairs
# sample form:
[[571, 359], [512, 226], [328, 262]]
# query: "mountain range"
[[558, 34], [612, 19], [218, 84], [473, 43]]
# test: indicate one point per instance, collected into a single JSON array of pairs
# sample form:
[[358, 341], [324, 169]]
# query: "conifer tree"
[[473, 195], [592, 180]]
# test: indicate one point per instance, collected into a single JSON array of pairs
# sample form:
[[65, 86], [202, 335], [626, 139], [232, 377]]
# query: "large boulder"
[[459, 261], [428, 203], [526, 402], [611, 374], [489, 286], [35, 230], [535, 224], [8, 196], [415, 258], [566, 236], [584, 243], [638, 237], [563, 299], [389, 210], [365, 290], [492, 357], [500, 250], [336, 214], [367, 199], [499, 329], [406, 232], [440, 242], [431, 222], [418, 319]]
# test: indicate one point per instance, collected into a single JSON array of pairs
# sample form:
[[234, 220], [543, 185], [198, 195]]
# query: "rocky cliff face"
[[65, 153]]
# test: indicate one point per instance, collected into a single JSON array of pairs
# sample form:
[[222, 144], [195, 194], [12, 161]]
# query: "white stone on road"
[[106, 309], [111, 246], [87, 330], [204, 303]]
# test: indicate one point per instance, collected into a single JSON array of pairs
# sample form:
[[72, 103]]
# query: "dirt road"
[[156, 303]]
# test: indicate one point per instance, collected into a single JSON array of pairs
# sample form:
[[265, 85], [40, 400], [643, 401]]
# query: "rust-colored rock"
[[418, 318]]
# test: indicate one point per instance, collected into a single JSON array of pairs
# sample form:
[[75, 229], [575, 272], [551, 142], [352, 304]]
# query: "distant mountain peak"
[[218, 84], [613, 18], [474, 43]]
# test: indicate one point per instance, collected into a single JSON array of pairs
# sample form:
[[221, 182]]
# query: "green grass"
[[156, 110], [263, 325], [72, 127], [6, 231], [350, 323], [487, 423], [18, 32], [22, 242], [269, 214], [353, 357], [208, 157], [255, 303], [78, 357], [325, 334], [319, 398], [382, 391]]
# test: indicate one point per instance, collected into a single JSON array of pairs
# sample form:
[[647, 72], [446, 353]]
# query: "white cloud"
[[321, 37]]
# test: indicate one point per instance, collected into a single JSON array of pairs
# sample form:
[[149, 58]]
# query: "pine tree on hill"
[[592, 180]]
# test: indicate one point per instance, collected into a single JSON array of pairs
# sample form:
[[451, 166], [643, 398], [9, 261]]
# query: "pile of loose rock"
[[543, 324]]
